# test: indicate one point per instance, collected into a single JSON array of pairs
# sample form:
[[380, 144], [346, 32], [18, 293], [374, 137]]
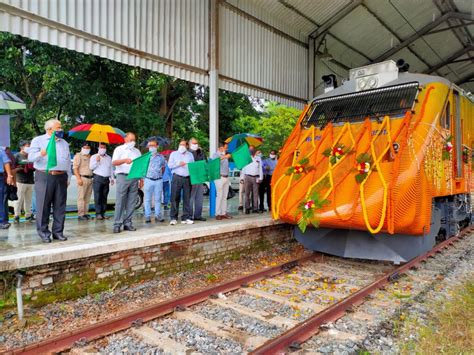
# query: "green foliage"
[[309, 208]]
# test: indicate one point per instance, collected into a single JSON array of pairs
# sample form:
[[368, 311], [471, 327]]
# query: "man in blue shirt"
[[269, 165], [154, 182], [51, 186], [181, 183], [5, 166]]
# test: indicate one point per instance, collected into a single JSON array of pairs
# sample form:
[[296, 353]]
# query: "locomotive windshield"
[[355, 107]]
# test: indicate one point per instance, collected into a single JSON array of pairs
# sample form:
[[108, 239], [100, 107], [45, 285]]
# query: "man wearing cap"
[[83, 173], [51, 186], [25, 181], [101, 166]]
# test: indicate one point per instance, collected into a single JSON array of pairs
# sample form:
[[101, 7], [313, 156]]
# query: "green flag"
[[51, 153], [214, 169], [139, 167], [242, 156], [198, 172]]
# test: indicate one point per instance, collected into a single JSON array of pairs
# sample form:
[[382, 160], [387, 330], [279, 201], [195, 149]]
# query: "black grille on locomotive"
[[355, 107]]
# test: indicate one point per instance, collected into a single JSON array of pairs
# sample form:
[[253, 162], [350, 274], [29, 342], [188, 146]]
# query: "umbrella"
[[162, 141], [98, 133], [238, 139], [9, 101]]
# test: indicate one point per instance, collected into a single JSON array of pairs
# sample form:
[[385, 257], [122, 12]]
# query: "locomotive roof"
[[349, 86]]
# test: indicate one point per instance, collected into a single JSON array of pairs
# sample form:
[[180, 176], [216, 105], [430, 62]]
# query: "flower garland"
[[363, 166], [465, 155], [335, 154], [300, 168], [448, 148], [309, 207]]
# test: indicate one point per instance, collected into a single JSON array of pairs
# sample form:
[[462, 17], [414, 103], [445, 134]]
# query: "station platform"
[[20, 246]]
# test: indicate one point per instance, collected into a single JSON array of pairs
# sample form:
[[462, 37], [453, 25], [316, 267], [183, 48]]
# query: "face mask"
[[152, 149], [85, 151], [26, 150], [60, 134], [181, 149], [194, 146], [259, 155], [221, 153], [272, 156], [130, 144], [102, 151]]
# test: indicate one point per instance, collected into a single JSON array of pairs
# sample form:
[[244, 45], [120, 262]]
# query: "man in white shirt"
[[181, 183], [101, 166], [127, 189], [252, 175]]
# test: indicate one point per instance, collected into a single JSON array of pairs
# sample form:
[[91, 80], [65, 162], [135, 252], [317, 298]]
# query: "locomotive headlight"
[[361, 84], [372, 82]]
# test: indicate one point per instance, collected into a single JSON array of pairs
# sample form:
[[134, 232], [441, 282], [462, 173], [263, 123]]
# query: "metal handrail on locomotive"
[[379, 167]]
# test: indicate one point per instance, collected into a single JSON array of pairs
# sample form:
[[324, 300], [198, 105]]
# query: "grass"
[[451, 331]]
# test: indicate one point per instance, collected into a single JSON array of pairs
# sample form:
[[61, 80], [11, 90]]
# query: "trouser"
[[251, 188], [153, 189], [166, 192], [51, 192], [100, 186], [241, 194], [25, 192], [197, 197], [222, 188], [263, 189], [3, 192], [84, 193], [126, 197], [180, 184]]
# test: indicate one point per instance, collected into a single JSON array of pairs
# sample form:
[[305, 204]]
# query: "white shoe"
[[173, 222], [188, 221]]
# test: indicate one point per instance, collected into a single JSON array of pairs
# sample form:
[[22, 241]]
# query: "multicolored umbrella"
[[94, 132], [9, 101], [238, 139]]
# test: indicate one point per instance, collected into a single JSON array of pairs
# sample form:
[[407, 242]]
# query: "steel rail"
[[294, 337], [67, 340]]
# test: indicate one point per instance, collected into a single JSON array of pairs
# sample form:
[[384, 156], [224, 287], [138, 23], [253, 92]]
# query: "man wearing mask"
[[252, 175], [154, 182], [180, 183], [222, 184], [5, 167], [127, 189], [83, 173], [269, 165], [197, 191], [101, 167], [51, 186], [25, 183]]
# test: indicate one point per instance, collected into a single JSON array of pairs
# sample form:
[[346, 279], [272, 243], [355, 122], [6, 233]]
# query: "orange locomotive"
[[380, 167]]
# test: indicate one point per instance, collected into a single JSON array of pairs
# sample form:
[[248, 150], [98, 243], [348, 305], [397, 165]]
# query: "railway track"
[[272, 311]]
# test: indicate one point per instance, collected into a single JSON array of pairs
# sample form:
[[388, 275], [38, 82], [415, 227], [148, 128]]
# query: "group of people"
[[164, 181]]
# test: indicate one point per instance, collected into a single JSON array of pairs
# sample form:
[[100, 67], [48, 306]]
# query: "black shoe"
[[5, 226], [261, 210], [82, 218], [88, 216], [16, 220], [247, 211], [117, 230], [59, 237], [45, 238], [148, 220], [202, 219], [241, 208], [255, 211], [166, 208], [30, 219], [158, 219], [129, 228]]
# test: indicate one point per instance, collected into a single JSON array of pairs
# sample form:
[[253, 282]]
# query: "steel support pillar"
[[311, 54]]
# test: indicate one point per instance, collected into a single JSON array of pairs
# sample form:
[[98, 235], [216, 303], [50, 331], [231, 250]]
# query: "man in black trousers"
[[101, 166], [51, 185]]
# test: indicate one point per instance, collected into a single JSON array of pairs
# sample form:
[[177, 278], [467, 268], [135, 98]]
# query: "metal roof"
[[265, 46]]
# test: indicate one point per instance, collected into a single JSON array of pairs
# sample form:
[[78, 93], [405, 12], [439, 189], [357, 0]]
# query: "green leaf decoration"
[[360, 178], [364, 158], [327, 152], [446, 155], [304, 161]]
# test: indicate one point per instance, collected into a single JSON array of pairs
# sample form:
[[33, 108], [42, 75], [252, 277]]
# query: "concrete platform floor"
[[21, 247]]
